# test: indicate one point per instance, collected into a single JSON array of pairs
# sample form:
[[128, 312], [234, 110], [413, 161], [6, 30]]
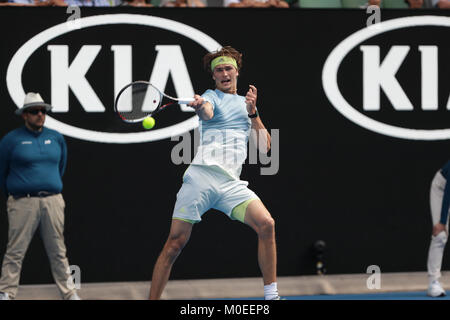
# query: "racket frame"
[[158, 109]]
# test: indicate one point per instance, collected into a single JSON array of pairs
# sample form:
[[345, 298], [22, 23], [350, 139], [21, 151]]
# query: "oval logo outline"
[[18, 61], [337, 55]]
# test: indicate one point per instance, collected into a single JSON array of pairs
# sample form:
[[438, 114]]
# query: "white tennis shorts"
[[207, 187]]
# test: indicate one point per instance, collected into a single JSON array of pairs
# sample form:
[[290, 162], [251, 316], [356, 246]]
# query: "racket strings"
[[138, 101]]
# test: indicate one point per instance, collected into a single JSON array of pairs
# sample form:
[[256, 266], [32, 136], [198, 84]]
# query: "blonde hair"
[[225, 51]]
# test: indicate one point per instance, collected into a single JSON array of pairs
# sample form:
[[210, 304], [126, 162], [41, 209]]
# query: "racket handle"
[[185, 100]]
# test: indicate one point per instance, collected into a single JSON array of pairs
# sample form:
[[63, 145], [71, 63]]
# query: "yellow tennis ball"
[[148, 123]]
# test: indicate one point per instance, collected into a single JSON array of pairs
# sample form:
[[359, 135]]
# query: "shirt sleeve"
[[211, 97], [63, 160], [4, 166]]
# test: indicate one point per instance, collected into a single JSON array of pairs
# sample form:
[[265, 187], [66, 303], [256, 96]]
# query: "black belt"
[[40, 194]]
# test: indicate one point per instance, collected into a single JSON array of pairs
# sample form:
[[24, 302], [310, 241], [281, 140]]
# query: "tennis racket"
[[140, 99]]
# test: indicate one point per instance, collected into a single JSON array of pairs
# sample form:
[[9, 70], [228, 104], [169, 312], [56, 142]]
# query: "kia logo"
[[379, 74], [67, 76]]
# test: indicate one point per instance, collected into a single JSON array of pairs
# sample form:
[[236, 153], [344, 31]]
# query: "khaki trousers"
[[24, 216]]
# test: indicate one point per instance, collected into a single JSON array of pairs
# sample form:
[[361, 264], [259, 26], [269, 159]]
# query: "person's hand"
[[197, 103], [438, 228], [250, 99]]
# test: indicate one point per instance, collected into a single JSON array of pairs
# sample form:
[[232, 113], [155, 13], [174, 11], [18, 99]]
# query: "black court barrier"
[[358, 116]]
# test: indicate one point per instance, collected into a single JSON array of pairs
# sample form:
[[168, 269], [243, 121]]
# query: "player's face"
[[225, 76], [34, 117]]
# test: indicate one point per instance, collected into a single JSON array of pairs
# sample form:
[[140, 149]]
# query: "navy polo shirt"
[[32, 161]]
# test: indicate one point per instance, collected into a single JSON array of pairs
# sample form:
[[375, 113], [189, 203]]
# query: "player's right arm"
[[204, 109]]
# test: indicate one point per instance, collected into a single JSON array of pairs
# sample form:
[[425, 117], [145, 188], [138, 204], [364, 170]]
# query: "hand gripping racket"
[[140, 99]]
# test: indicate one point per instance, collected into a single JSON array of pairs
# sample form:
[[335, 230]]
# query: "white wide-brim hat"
[[33, 100]]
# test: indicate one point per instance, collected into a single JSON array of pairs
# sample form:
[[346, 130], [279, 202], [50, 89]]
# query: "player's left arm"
[[259, 131]]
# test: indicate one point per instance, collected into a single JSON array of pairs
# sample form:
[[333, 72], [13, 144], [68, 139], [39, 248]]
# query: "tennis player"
[[212, 180]]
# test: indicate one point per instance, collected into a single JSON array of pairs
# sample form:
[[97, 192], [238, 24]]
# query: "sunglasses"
[[36, 111]]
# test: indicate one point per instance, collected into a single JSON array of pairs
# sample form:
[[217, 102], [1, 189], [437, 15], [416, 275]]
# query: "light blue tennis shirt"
[[224, 138]]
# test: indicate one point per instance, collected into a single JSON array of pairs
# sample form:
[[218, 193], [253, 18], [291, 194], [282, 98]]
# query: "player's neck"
[[229, 91]]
